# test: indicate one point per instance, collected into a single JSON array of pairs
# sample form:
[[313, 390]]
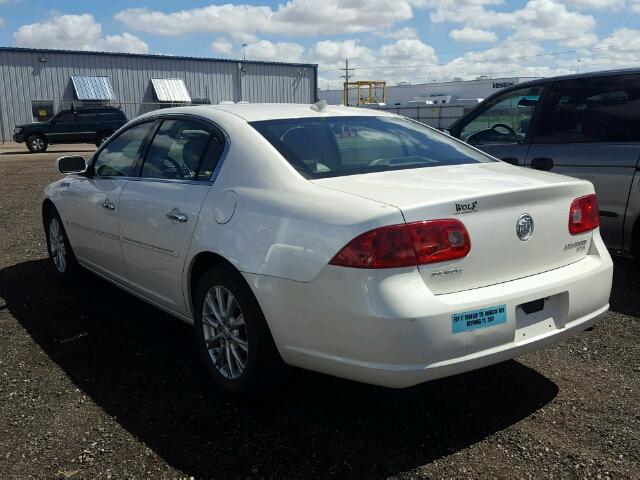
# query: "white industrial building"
[[456, 91], [35, 84]]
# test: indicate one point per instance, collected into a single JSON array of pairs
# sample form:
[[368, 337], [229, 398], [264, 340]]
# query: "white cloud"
[[222, 46], [275, 51], [597, 4], [405, 32], [296, 17], [468, 34], [1, 22], [538, 20], [76, 32], [621, 49]]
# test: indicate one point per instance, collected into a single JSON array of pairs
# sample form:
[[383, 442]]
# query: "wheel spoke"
[[219, 302], [236, 356], [229, 306], [228, 354], [213, 342], [236, 323], [210, 321], [211, 303], [238, 341]]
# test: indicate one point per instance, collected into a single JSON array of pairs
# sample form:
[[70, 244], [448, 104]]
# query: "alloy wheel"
[[57, 245], [37, 144], [225, 332]]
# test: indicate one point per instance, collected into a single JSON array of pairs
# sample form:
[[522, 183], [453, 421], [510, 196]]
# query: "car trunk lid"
[[489, 199]]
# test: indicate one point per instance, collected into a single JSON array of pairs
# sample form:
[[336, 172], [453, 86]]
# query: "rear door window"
[[592, 110], [182, 150]]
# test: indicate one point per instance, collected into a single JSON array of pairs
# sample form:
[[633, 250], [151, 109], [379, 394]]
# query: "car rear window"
[[338, 146]]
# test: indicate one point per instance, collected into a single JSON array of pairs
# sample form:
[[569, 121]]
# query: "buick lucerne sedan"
[[346, 241]]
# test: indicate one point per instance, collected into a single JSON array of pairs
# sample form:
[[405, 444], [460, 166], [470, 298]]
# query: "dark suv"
[[77, 125], [585, 126]]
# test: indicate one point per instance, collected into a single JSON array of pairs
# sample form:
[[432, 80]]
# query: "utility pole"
[[346, 76]]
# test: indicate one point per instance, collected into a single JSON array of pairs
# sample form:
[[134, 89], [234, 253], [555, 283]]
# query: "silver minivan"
[[585, 126]]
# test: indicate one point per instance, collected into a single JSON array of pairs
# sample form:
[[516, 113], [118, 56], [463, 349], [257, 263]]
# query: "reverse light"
[[584, 215], [406, 245]]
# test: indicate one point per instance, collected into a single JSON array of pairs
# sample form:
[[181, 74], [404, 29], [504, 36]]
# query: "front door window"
[[505, 121]]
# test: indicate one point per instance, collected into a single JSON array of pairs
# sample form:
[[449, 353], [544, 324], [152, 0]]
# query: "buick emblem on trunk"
[[524, 227]]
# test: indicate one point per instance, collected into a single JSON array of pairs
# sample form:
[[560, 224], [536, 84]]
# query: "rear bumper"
[[387, 328]]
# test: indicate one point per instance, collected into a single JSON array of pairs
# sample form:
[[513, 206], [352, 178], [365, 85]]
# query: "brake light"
[[584, 215], [406, 245]]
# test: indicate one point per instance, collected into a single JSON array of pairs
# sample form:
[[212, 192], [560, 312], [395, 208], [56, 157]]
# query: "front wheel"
[[60, 252], [37, 144], [233, 337]]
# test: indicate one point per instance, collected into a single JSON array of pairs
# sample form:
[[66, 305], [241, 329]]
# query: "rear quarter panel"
[[280, 224]]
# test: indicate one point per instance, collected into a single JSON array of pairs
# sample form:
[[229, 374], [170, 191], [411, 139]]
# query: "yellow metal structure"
[[368, 92]]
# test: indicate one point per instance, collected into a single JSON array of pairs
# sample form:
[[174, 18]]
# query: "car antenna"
[[320, 106]]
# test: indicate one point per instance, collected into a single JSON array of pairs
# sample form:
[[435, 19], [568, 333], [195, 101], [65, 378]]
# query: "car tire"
[[102, 137], [63, 260], [236, 346], [37, 143]]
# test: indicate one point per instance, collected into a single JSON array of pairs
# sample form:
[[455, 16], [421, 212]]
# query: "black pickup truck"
[[77, 125]]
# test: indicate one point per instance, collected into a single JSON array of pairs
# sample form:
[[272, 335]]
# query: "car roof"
[[574, 76], [253, 112]]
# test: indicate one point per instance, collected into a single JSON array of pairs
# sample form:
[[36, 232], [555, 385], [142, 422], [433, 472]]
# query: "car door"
[[91, 203], [159, 210], [500, 127], [86, 125], [590, 128], [62, 128]]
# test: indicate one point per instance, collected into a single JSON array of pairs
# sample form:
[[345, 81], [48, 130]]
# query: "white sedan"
[[346, 241]]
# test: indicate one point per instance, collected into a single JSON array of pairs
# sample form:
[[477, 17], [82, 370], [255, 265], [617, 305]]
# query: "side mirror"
[[71, 164]]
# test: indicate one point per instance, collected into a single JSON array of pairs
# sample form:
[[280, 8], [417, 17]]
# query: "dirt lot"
[[95, 384]]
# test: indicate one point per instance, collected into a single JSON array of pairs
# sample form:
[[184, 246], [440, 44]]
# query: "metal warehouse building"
[[37, 83]]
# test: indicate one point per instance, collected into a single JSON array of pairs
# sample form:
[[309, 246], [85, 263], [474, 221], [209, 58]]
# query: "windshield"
[[337, 146]]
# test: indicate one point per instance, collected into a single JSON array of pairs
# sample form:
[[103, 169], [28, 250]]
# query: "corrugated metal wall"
[[24, 77]]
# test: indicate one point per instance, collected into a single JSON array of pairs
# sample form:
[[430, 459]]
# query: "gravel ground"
[[96, 384]]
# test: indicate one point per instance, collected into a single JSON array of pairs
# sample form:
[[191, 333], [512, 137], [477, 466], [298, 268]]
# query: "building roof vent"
[[171, 90], [92, 88]]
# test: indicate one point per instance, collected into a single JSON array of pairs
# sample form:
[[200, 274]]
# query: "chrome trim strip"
[[93, 230], [150, 247]]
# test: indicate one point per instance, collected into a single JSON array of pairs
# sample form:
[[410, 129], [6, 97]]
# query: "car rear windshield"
[[336, 146]]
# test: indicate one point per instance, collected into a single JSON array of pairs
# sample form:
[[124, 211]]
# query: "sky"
[[415, 41]]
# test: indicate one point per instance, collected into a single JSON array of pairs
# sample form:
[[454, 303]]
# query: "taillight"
[[406, 245], [584, 215]]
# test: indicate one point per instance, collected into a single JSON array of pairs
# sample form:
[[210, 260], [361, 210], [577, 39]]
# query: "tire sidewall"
[[70, 260], [254, 322]]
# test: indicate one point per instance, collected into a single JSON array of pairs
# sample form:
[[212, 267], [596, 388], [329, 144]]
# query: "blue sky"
[[399, 40]]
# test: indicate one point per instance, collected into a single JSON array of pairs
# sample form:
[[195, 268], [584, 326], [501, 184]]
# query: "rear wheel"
[[233, 337], [37, 143], [60, 252]]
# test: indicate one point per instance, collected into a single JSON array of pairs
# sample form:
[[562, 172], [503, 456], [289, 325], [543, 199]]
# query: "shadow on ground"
[[625, 295], [140, 366]]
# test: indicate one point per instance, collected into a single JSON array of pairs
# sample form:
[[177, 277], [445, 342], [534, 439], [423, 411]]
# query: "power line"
[[347, 70], [505, 59]]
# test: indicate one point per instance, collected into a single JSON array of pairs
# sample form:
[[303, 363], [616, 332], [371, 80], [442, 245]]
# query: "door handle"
[[178, 216], [108, 205], [542, 163]]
